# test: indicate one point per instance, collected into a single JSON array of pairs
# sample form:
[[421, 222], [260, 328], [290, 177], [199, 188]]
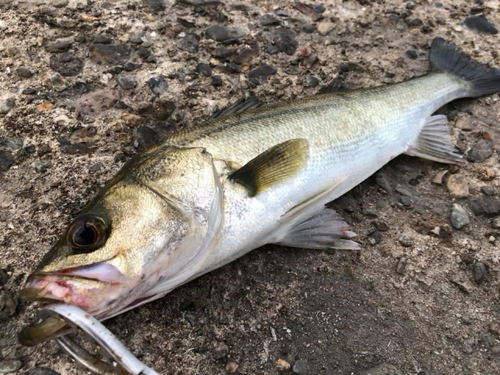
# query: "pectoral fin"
[[434, 142], [273, 166]]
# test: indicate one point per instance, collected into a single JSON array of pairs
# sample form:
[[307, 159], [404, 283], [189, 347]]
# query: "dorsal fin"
[[273, 166], [239, 106]]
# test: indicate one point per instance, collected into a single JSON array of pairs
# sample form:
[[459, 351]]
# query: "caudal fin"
[[447, 57]]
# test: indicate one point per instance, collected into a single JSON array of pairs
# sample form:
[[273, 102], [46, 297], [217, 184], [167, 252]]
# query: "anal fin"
[[325, 230], [435, 143]]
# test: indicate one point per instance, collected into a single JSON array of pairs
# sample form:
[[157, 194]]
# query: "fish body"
[[209, 194]]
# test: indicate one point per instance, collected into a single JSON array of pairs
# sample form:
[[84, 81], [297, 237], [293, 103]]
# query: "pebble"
[[223, 52], [412, 54], [158, 85], [11, 143], [224, 34], [308, 28], [481, 24], [145, 54], [463, 124], [383, 369], [58, 83], [74, 149], [204, 69], [130, 66], [8, 304], [136, 38], [488, 190], [6, 161], [102, 38], [405, 241], [495, 222], [231, 367], [216, 81], [374, 238], [109, 54], [246, 56], [3, 277], [485, 206], [58, 47], [480, 151], [42, 371], [145, 137], [163, 109], [282, 365], [459, 217], [220, 351], [479, 272], [190, 43], [24, 72], [8, 366], [268, 20], [126, 82], [325, 27], [311, 81], [319, 8], [261, 74], [156, 5], [457, 186], [301, 367], [284, 41], [401, 266], [41, 165], [66, 64]]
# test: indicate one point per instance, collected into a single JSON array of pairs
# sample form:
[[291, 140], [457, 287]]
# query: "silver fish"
[[214, 192]]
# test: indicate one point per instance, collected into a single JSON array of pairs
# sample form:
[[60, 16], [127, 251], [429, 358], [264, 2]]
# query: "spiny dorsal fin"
[[272, 166], [240, 106]]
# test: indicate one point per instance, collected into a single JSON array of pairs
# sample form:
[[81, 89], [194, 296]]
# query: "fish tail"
[[480, 78]]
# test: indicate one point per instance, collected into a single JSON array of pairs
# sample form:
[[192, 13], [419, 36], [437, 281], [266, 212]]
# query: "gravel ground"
[[84, 85]]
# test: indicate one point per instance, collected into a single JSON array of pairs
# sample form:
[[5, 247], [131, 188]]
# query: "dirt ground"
[[421, 297]]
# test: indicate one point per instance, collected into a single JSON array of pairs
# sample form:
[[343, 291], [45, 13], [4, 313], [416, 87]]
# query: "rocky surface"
[[85, 85]]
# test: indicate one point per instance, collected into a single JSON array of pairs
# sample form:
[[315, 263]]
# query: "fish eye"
[[87, 233]]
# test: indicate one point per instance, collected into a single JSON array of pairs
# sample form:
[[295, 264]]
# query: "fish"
[[250, 175]]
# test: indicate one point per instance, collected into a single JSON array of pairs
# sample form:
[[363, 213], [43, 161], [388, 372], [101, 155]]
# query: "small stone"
[[369, 212], [383, 369], [24, 72], [11, 143], [481, 24], [158, 85], [163, 109], [463, 124], [381, 225], [495, 222], [58, 47], [411, 5], [42, 371], [12, 51], [468, 347], [486, 173], [374, 238], [261, 74], [231, 367], [136, 38], [308, 28], [405, 200], [41, 166], [8, 366], [301, 367], [457, 186], [75, 149], [485, 206], [145, 137], [439, 177], [405, 241], [216, 81], [459, 217], [268, 20], [6, 161], [3, 277], [282, 365], [319, 8], [480, 151], [102, 39], [311, 81], [220, 351], [401, 266], [144, 53], [7, 106], [325, 27], [224, 34], [284, 40], [412, 54], [58, 83], [204, 69], [109, 54], [246, 56], [479, 272], [8, 304], [190, 43], [66, 64], [29, 91], [130, 66], [223, 52], [416, 22], [488, 190], [156, 5], [126, 82]]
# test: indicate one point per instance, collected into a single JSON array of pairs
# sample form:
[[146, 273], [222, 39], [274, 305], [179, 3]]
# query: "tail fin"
[[447, 57]]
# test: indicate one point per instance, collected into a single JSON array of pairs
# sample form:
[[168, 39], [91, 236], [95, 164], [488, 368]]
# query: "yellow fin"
[[273, 166]]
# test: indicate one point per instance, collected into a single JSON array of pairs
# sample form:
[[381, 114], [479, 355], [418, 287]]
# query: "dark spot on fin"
[[240, 106], [273, 166]]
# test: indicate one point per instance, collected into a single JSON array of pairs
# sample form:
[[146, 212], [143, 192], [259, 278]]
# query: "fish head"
[[147, 232]]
